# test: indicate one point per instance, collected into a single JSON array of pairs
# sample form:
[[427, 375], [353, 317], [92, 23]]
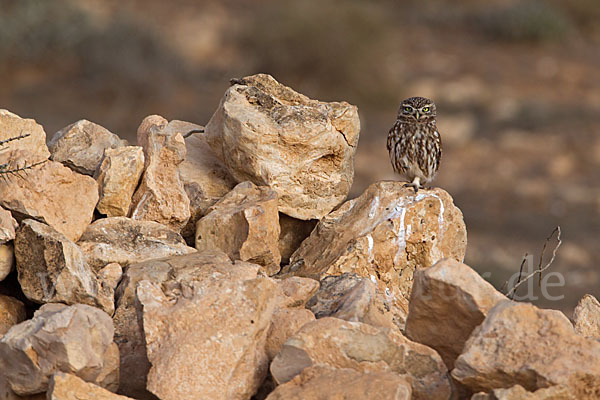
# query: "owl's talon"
[[413, 185]]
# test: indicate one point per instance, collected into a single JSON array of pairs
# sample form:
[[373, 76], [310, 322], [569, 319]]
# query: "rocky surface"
[[81, 145], [161, 196], [284, 323], [587, 317], [385, 234], [518, 392], [245, 225], [295, 291], [303, 149], [76, 339], [33, 146], [293, 232], [126, 241], [453, 298], [54, 194], [521, 344], [7, 259], [118, 177], [7, 226], [321, 382], [12, 312], [53, 269], [365, 348], [70, 387]]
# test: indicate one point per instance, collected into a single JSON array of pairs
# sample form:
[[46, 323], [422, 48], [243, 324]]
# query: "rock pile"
[[228, 265]]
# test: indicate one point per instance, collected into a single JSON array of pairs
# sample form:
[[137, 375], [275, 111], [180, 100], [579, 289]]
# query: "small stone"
[[322, 382], [518, 343], [54, 194], [161, 196], [285, 322], [12, 312], [126, 241], [11, 126], [245, 225], [117, 177], [7, 259], [52, 268], [293, 232], [70, 387], [7, 226], [81, 145], [111, 275], [365, 348], [77, 339], [295, 291], [453, 298], [267, 133], [587, 317]]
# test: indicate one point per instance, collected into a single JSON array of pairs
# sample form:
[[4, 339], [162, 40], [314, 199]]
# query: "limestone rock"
[[303, 149], [76, 339], [293, 232], [204, 176], [385, 234], [518, 392], [202, 266], [352, 298], [111, 275], [125, 241], [521, 344], [51, 268], [81, 145], [7, 226], [321, 382], [365, 348], [295, 291], [12, 312], [208, 341], [245, 225], [7, 259], [454, 299], [161, 196], [6, 392], [70, 387], [587, 317], [118, 176], [54, 194], [11, 125], [285, 322]]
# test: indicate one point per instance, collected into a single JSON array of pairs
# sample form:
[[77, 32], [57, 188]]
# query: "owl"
[[414, 143]]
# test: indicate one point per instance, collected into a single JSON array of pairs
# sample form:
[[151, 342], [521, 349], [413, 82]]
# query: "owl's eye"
[[425, 109], [407, 109]]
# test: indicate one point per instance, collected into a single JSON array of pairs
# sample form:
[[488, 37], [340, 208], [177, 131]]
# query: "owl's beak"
[[417, 115]]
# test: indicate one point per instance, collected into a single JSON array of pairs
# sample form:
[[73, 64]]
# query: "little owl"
[[414, 142]]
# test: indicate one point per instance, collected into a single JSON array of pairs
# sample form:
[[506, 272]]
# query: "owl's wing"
[[392, 134]]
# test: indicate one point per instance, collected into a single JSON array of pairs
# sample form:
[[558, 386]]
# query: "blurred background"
[[516, 84]]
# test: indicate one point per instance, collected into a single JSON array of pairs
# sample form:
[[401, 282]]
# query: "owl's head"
[[417, 109]]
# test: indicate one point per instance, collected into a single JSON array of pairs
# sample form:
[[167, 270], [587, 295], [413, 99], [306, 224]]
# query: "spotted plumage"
[[414, 143]]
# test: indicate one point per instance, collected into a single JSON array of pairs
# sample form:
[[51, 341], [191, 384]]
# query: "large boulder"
[[303, 149], [521, 344], [245, 225], [81, 145], [161, 196], [385, 235], [365, 348], [454, 299], [75, 339], [33, 144]]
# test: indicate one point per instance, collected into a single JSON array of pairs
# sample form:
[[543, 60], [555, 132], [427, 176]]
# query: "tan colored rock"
[[208, 341], [111, 275], [365, 348], [245, 225], [519, 343], [385, 234], [201, 266], [204, 176], [7, 226], [6, 392], [7, 259], [11, 125], [587, 317], [53, 194], [12, 312], [53, 269], [351, 298], [126, 241], [295, 291], [518, 392], [454, 299], [285, 322], [76, 339], [118, 176], [70, 387], [303, 149], [81, 145], [321, 382], [293, 232], [161, 196]]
